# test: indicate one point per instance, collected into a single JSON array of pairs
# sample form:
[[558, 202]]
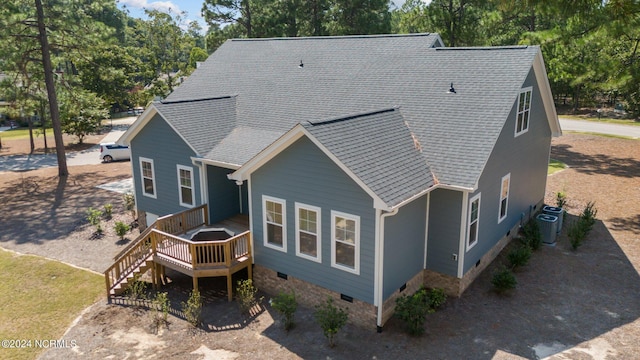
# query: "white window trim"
[[266, 243], [506, 210], [318, 234], [153, 177], [523, 91], [193, 193], [356, 269], [475, 242]]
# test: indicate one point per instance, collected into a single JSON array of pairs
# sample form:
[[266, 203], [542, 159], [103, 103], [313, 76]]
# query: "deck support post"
[[195, 283], [229, 287]]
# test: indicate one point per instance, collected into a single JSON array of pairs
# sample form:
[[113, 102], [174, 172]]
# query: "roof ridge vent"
[[351, 117], [196, 100]]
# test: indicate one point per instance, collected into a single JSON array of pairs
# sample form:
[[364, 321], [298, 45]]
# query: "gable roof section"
[[376, 149], [355, 74], [201, 123]]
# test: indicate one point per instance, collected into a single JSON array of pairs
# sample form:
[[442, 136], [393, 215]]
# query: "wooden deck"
[[166, 244]]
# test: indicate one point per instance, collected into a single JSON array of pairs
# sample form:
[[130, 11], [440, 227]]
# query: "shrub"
[[192, 309], [532, 235], [331, 319], [576, 232], [519, 256], [413, 310], [561, 199], [286, 305], [93, 216], [137, 290], [161, 306], [436, 298], [588, 216], [121, 229], [108, 211], [246, 296], [503, 280], [130, 204]]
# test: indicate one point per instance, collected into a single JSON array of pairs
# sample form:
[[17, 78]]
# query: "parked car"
[[112, 151]]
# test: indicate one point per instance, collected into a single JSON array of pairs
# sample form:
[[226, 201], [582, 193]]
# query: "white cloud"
[[163, 6]]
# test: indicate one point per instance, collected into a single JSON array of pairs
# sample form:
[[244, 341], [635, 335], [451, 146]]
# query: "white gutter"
[[379, 258], [221, 164], [429, 190]]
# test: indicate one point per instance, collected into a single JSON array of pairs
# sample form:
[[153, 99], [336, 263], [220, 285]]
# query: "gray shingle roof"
[[347, 75], [380, 150], [203, 123]]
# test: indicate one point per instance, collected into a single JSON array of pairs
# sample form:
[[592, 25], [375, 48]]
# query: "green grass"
[[40, 298], [23, 133], [555, 166], [604, 120]]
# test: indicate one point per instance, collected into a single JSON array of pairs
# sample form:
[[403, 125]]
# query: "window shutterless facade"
[[523, 115], [274, 220], [148, 175], [308, 243], [474, 217], [185, 186], [504, 197], [345, 242]]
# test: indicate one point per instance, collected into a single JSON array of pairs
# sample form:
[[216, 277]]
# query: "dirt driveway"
[[568, 304]]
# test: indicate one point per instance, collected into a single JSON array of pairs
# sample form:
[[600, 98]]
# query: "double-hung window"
[[504, 197], [275, 223], [148, 177], [345, 242], [185, 185], [308, 237], [523, 115], [474, 216]]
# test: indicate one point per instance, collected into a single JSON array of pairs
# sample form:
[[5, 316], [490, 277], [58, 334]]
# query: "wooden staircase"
[[121, 286]]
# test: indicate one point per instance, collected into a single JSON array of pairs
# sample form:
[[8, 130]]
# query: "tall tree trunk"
[[43, 122], [31, 143], [51, 92]]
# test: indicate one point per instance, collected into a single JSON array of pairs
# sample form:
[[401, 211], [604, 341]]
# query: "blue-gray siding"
[[445, 207], [158, 141], [526, 158], [302, 173], [404, 242], [224, 197]]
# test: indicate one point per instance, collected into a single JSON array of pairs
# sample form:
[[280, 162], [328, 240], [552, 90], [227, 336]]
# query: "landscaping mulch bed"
[[568, 304]]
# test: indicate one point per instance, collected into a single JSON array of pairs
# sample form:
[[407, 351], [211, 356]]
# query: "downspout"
[[426, 231], [463, 232], [380, 216], [203, 179], [239, 183]]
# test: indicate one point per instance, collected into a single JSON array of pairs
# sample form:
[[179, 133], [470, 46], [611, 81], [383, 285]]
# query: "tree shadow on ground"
[[626, 224], [597, 164], [37, 209]]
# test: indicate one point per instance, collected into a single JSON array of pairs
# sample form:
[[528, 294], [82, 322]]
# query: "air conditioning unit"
[[548, 228]]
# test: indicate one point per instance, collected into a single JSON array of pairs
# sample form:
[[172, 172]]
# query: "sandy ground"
[[568, 304]]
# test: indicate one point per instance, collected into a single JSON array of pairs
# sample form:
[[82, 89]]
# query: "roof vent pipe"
[[301, 65], [451, 89]]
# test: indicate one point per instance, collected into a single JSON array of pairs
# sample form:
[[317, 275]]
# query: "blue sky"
[[192, 7]]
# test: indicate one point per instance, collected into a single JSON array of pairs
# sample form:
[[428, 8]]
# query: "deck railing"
[[203, 254], [135, 256], [184, 221]]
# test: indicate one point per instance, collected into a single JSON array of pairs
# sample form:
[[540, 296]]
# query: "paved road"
[[85, 157], [600, 128]]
